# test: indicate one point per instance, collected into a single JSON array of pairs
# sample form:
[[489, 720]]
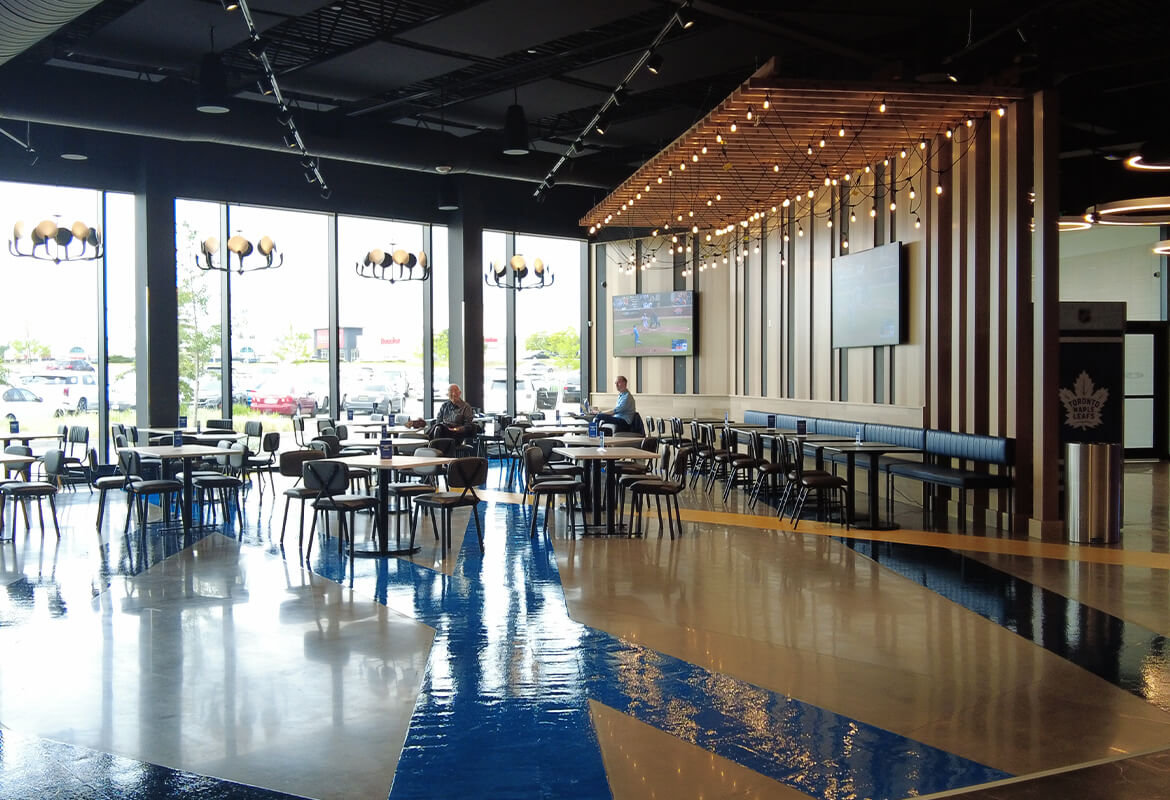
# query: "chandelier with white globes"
[[248, 258], [497, 274], [394, 266], [49, 241]]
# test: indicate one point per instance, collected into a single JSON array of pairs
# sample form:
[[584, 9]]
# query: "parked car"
[[496, 397], [19, 403], [285, 399], [370, 397], [68, 392], [570, 401]]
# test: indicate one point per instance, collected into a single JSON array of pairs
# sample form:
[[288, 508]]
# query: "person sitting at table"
[[455, 420], [621, 416]]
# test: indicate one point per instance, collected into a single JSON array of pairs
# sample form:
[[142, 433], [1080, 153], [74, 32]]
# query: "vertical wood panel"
[[979, 283], [773, 321], [959, 250], [997, 286], [802, 309], [822, 353], [940, 224]]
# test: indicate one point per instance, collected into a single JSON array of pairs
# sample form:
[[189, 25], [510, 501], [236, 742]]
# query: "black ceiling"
[[419, 83]]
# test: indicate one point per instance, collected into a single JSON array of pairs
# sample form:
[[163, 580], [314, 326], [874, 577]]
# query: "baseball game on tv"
[[654, 324]]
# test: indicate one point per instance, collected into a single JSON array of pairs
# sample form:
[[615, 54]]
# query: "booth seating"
[[983, 462]]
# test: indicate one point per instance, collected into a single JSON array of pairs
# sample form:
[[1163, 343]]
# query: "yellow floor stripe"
[[953, 541]]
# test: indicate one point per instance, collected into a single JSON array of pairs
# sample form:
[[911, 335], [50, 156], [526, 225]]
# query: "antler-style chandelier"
[[497, 274], [394, 266], [51, 242], [244, 252]]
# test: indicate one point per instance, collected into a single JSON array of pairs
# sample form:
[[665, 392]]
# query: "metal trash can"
[[1093, 492]]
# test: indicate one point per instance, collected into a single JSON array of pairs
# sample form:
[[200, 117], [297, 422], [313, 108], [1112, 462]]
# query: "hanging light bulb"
[[1001, 111], [775, 167], [872, 212], [950, 133], [938, 188], [822, 143], [912, 194], [917, 221], [810, 149], [852, 217], [882, 107], [829, 224], [893, 206], [733, 127], [768, 102], [844, 244], [841, 132], [749, 112]]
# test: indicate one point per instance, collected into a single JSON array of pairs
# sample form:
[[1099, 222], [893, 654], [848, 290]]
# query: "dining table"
[[187, 453], [386, 468], [595, 457], [26, 438], [873, 451]]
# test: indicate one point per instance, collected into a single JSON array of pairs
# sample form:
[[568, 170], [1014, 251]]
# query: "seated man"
[[455, 420], [622, 414]]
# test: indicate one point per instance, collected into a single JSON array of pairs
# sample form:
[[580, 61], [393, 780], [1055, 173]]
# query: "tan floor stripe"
[[954, 541]]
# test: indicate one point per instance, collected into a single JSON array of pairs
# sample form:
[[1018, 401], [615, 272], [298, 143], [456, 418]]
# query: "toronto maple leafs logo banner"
[[1092, 373]]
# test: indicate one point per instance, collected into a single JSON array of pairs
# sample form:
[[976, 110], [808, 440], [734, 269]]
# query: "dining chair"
[[463, 474]]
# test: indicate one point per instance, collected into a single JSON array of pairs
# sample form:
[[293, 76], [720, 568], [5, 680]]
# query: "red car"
[[284, 399]]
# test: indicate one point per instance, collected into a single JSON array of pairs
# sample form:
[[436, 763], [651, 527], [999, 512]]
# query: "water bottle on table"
[[601, 433]]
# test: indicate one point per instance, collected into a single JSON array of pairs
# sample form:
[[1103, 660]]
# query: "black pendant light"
[[515, 130]]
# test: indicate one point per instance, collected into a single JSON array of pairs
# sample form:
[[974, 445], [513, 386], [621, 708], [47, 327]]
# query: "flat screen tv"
[[654, 324], [868, 298]]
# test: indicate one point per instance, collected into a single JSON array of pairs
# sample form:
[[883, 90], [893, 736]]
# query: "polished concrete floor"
[[741, 659]]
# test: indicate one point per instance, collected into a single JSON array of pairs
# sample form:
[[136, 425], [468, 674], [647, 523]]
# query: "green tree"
[[565, 345], [442, 347], [294, 346], [197, 339], [28, 349]]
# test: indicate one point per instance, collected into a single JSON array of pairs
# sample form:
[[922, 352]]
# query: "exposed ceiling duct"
[[23, 23], [166, 110]]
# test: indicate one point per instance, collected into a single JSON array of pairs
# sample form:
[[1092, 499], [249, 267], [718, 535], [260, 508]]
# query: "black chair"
[[830, 489], [463, 474], [298, 426], [549, 488], [747, 462], [406, 491], [21, 492], [228, 481], [105, 483], [291, 465], [265, 461], [253, 436], [13, 474], [513, 451], [768, 473], [331, 480], [139, 489], [659, 488]]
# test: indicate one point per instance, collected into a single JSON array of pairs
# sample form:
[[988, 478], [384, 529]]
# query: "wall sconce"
[[56, 243], [497, 274], [243, 250], [394, 266]]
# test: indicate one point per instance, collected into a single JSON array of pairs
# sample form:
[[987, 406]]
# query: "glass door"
[[1146, 412]]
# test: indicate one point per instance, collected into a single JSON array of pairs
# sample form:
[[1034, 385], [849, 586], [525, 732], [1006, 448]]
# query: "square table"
[[10, 460], [25, 438], [596, 456], [874, 450], [581, 440], [185, 453], [386, 467]]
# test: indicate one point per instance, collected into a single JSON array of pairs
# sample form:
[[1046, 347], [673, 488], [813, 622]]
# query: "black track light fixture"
[[602, 124], [654, 63], [448, 194], [685, 20]]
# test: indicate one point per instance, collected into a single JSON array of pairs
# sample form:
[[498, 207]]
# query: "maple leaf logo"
[[1083, 405]]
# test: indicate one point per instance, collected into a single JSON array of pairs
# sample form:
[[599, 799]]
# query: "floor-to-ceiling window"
[[199, 309], [440, 317], [381, 323], [48, 328], [121, 320], [277, 314], [495, 327], [548, 337]]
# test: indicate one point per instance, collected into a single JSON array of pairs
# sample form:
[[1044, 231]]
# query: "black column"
[[156, 301], [466, 299]]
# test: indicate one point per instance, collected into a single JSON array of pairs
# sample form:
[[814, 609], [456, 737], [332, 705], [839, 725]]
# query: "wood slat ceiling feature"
[[766, 160]]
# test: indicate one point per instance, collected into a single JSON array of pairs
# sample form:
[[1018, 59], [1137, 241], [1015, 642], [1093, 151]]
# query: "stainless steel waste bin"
[[1093, 492]]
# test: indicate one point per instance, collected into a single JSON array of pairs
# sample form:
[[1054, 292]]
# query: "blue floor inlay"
[[1126, 654], [504, 712], [32, 767]]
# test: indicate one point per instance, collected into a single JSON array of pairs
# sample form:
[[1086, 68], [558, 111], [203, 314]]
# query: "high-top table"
[[595, 457], [386, 467], [185, 453], [25, 438], [874, 451]]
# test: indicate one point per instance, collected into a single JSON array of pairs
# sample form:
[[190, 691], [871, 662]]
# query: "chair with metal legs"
[[463, 475], [22, 492], [291, 465]]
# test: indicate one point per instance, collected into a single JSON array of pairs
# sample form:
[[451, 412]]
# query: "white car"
[[23, 405], [495, 399], [67, 391]]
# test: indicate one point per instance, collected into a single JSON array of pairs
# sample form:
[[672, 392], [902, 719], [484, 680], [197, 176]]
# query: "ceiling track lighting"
[[244, 251], [211, 69], [394, 266], [49, 241], [497, 274]]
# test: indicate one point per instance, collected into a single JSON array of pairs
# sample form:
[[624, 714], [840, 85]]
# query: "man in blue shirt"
[[622, 414]]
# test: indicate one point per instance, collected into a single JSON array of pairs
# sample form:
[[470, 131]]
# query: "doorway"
[[1147, 418]]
